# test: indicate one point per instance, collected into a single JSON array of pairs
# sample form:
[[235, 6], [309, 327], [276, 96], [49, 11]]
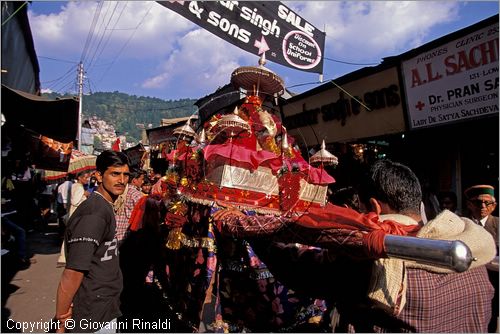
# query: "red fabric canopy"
[[252, 159]]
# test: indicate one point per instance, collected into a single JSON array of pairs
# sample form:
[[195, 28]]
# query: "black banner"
[[257, 27]]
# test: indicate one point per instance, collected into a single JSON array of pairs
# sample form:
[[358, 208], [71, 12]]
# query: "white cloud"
[[189, 58], [152, 27], [356, 31], [195, 64], [371, 30]]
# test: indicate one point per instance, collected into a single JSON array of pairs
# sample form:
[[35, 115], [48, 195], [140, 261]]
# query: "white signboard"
[[453, 82]]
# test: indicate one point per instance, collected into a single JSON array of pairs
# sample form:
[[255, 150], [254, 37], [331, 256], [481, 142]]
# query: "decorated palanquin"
[[242, 158], [243, 168]]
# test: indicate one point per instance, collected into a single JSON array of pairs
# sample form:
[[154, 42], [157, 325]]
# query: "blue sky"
[[142, 48]]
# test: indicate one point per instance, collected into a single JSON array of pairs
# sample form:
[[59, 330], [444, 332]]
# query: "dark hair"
[[147, 181], [136, 173], [110, 159], [86, 124], [395, 184], [80, 174], [346, 196]]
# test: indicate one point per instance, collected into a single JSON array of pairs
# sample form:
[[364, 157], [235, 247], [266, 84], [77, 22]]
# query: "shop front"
[[434, 108], [451, 87], [357, 116]]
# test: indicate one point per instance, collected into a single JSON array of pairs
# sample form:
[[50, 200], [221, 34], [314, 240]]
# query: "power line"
[[93, 64], [63, 80], [61, 77], [151, 109], [126, 43], [91, 30], [68, 85], [102, 35], [61, 60], [304, 84], [349, 63]]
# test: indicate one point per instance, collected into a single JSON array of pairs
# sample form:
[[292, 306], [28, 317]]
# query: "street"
[[28, 296]]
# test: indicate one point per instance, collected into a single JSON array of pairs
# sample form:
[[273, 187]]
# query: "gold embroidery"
[[176, 239]]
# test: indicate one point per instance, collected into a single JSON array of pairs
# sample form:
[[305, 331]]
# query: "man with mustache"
[[88, 296], [481, 203]]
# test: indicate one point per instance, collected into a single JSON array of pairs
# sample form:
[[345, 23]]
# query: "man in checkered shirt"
[[384, 295], [126, 202]]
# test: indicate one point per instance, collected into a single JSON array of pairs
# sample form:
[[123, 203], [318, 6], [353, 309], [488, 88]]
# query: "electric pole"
[[80, 95]]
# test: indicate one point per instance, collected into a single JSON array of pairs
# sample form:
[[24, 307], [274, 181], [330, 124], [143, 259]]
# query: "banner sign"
[[455, 81], [258, 27]]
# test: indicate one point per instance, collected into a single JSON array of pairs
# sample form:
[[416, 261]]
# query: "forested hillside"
[[125, 111]]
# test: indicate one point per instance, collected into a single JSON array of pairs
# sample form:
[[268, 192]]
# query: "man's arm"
[[69, 284]]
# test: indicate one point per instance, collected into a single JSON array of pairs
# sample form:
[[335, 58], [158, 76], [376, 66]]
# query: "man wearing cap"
[[481, 204]]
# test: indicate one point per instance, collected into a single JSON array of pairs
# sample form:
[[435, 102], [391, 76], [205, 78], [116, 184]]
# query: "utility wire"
[[89, 84], [68, 85], [108, 38], [306, 83], [91, 30], [63, 85], [61, 60], [348, 63], [126, 43], [61, 77], [102, 36], [152, 109]]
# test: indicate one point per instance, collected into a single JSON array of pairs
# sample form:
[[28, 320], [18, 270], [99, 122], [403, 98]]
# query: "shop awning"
[[56, 119]]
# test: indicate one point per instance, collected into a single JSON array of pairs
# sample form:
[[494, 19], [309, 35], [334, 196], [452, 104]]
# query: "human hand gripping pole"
[[331, 228]]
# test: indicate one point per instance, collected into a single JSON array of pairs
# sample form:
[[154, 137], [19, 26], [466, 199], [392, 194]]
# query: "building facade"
[[434, 108]]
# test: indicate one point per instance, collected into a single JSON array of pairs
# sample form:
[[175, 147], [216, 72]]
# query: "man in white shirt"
[[63, 194], [78, 192], [78, 195]]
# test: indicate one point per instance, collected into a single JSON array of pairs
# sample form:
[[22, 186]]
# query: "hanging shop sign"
[[258, 27], [454, 82], [336, 116]]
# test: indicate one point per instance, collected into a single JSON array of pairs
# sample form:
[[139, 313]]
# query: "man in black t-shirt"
[[88, 296]]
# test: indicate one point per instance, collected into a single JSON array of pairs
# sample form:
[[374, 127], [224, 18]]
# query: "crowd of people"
[[115, 270]]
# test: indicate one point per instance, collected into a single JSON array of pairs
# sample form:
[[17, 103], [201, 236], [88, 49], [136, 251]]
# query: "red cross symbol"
[[420, 105]]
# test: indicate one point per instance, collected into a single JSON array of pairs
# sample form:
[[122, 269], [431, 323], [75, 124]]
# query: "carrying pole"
[[450, 254]]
